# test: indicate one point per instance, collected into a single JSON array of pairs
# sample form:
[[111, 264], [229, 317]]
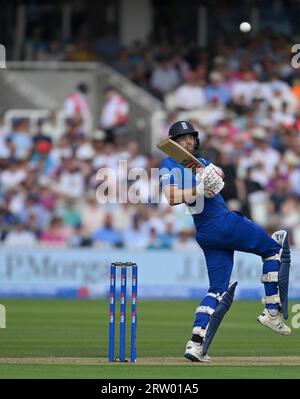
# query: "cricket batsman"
[[220, 232]]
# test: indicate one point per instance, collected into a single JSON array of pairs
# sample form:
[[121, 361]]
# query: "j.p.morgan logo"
[[2, 56]]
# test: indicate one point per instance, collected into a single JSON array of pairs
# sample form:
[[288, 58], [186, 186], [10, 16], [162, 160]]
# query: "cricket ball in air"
[[245, 27]]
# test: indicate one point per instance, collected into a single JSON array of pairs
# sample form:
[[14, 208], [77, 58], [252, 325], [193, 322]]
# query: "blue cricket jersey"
[[172, 172]]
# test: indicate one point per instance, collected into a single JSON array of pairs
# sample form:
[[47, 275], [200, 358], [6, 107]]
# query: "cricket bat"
[[175, 151]]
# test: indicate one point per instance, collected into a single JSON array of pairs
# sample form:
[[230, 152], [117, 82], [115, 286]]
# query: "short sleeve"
[[169, 174]]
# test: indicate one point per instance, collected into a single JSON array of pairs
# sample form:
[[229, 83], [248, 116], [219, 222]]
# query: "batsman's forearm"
[[179, 196]]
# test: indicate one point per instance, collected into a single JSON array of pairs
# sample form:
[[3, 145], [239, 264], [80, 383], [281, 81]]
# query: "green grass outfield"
[[69, 339]]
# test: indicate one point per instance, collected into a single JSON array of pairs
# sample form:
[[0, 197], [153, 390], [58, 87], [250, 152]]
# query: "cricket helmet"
[[181, 128]]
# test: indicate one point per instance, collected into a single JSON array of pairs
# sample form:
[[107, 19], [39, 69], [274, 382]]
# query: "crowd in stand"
[[48, 186], [243, 98]]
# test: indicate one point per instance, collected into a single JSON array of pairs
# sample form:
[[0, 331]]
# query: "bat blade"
[[175, 151]]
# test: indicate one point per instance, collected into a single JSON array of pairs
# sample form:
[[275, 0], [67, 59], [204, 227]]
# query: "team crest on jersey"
[[166, 176]]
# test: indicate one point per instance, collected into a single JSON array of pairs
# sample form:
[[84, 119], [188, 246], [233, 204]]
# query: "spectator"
[[7, 221], [69, 213], [85, 150], [136, 237], [283, 99], [77, 238], [35, 44], [20, 139], [249, 187], [208, 150], [56, 233], [81, 52], [154, 240], [291, 213], [123, 64], [168, 238], [92, 215], [190, 95], [212, 113], [77, 106], [47, 198], [53, 128], [20, 237], [40, 157], [263, 154], [71, 182], [53, 52], [233, 189], [296, 90], [284, 116], [217, 89], [108, 45], [281, 190], [135, 159], [62, 150], [14, 174], [122, 215], [164, 77], [34, 214], [244, 90], [185, 242], [5, 150], [107, 236], [114, 116], [293, 164]]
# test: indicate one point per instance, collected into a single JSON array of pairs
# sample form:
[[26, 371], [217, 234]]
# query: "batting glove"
[[212, 179]]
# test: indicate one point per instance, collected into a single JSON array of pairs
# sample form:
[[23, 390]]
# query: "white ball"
[[245, 27]]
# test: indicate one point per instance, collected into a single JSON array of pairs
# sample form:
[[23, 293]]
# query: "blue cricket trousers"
[[219, 238]]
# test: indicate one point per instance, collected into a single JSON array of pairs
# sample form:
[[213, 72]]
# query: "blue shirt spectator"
[[216, 89], [107, 234], [21, 139], [168, 238]]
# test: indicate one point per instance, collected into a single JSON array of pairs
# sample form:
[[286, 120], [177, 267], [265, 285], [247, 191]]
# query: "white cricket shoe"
[[193, 352], [275, 323]]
